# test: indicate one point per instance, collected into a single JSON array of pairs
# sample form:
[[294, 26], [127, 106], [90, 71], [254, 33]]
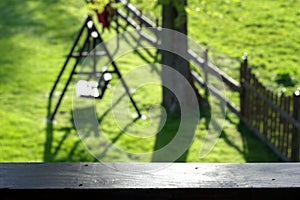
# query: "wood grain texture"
[[149, 176]]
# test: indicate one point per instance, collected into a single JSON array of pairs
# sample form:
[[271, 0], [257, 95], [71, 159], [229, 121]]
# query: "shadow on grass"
[[55, 145], [253, 149], [144, 53], [48, 157], [51, 150], [170, 145]]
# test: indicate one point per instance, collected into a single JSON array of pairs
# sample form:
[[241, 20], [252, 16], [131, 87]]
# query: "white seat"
[[87, 89]]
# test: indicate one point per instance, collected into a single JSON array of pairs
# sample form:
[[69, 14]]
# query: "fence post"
[[206, 71], [296, 132], [243, 68], [157, 22]]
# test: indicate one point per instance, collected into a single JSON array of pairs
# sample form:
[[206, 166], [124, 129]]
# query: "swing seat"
[[87, 89], [93, 89]]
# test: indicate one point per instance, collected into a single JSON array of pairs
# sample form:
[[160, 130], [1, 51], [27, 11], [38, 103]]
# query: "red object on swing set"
[[105, 17]]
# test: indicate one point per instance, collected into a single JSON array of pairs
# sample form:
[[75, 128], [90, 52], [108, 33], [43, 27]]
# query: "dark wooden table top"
[[149, 175], [150, 180]]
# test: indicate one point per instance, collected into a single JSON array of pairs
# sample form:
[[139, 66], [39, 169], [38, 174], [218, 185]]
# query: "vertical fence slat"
[[251, 99], [290, 137], [287, 131], [244, 95], [278, 125], [281, 122], [274, 119], [296, 132], [243, 98], [261, 109], [265, 114], [256, 104], [268, 117], [247, 94]]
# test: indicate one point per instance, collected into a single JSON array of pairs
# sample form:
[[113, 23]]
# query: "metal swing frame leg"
[[68, 81], [63, 69], [68, 58], [116, 70]]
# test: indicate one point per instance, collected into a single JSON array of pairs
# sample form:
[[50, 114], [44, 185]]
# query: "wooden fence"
[[273, 119]]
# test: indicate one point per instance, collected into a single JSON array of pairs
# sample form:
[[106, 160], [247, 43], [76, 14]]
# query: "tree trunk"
[[169, 16]]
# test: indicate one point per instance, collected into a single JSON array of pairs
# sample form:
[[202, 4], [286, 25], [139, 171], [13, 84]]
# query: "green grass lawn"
[[267, 30], [35, 38]]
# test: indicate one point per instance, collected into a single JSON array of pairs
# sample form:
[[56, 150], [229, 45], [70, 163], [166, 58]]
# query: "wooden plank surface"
[[148, 175]]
